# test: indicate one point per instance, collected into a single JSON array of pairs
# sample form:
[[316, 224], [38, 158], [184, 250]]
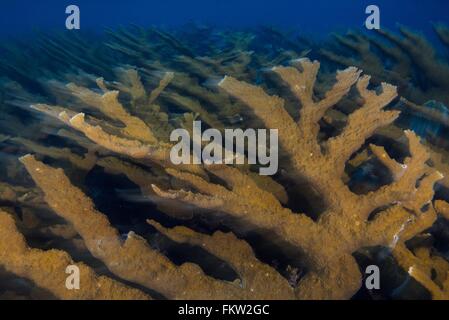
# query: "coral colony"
[[119, 151]]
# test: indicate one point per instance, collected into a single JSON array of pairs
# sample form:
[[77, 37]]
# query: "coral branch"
[[431, 271], [442, 207], [133, 259], [47, 269], [109, 105], [364, 121], [162, 85], [226, 246]]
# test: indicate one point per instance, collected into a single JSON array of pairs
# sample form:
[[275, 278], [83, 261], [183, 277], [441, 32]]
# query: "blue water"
[[317, 17]]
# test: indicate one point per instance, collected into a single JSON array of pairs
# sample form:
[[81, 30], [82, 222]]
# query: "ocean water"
[[317, 17], [93, 121]]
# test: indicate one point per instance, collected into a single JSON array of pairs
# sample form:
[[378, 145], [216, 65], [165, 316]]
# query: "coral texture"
[[409, 56], [215, 231], [47, 269], [411, 62]]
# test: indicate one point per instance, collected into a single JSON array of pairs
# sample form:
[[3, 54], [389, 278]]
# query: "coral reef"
[[214, 231], [420, 71], [407, 60], [47, 269]]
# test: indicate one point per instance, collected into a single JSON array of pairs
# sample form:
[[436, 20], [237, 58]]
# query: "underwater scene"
[[224, 150]]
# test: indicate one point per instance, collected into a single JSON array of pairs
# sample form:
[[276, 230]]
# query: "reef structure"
[[124, 129]]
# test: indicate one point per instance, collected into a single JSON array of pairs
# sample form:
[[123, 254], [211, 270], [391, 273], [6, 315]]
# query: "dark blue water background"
[[314, 17]]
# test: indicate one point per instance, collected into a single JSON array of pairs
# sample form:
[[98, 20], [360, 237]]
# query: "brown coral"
[[348, 222], [135, 261], [326, 244], [47, 269], [410, 58], [343, 227]]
